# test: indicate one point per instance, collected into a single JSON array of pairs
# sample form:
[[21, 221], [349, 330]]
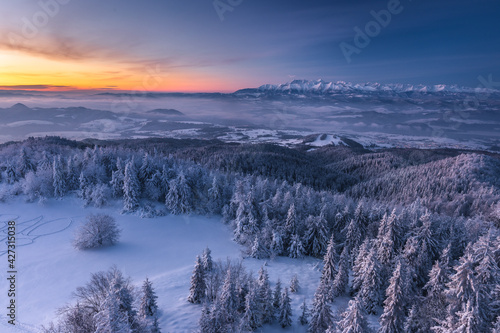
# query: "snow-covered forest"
[[410, 236]]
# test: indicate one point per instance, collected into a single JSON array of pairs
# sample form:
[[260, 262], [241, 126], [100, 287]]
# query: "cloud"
[[35, 87]]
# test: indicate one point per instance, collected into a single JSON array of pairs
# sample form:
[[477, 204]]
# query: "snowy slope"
[[162, 249]]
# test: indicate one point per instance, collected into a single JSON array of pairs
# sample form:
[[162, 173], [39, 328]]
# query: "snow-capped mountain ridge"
[[324, 88]]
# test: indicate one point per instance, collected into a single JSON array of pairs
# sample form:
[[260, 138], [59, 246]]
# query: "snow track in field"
[[30, 230]]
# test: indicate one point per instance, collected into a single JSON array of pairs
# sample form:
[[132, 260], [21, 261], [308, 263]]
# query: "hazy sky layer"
[[186, 45]]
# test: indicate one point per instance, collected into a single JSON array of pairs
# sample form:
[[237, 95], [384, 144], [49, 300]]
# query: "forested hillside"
[[416, 230]]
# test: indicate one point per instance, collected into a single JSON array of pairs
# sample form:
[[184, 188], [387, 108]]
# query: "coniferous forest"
[[409, 235]]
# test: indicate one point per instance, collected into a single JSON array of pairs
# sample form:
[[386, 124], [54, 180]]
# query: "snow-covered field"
[[162, 249]]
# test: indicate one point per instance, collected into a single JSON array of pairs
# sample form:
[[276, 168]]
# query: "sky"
[[226, 45]]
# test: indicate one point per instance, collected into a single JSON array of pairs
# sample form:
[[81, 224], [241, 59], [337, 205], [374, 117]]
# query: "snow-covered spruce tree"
[[354, 318], [198, 287], [356, 230], [206, 260], [224, 309], [290, 224], [341, 280], [277, 246], [285, 310], [216, 196], [206, 323], [112, 319], [131, 188], [294, 284], [265, 296], [329, 268], [413, 323], [277, 295], [252, 316], [360, 266], [370, 292], [393, 317], [304, 314], [321, 314], [59, 177], [316, 236], [296, 250], [117, 177], [179, 198], [148, 307], [258, 250], [99, 230]]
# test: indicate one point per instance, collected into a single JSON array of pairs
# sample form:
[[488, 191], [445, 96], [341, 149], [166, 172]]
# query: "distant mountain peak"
[[321, 87], [19, 106]]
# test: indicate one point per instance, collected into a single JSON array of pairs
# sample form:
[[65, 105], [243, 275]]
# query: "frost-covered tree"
[[252, 316], [216, 196], [329, 267], [99, 230], [341, 280], [131, 188], [206, 260], [370, 292], [198, 286], [277, 295], [180, 195], [117, 177], [265, 296], [304, 314], [321, 314], [354, 318], [392, 319], [277, 246], [296, 250], [112, 319], [317, 235], [148, 307], [258, 251], [59, 177], [294, 284], [285, 310]]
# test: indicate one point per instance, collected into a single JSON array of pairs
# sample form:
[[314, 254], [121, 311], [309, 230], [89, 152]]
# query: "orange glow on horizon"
[[20, 71]]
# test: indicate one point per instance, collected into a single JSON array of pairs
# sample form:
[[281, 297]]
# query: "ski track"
[[26, 231]]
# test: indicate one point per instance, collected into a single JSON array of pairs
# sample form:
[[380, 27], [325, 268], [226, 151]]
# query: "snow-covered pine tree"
[[197, 289], [59, 178], [285, 310], [294, 284], [304, 314], [206, 260], [117, 177], [148, 307], [393, 317], [316, 235], [329, 267], [321, 314], [354, 318], [277, 246], [110, 318], [370, 292], [258, 251], [252, 316], [359, 266], [225, 306], [277, 295], [296, 250], [290, 224], [341, 280], [131, 188], [265, 295], [180, 196]]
